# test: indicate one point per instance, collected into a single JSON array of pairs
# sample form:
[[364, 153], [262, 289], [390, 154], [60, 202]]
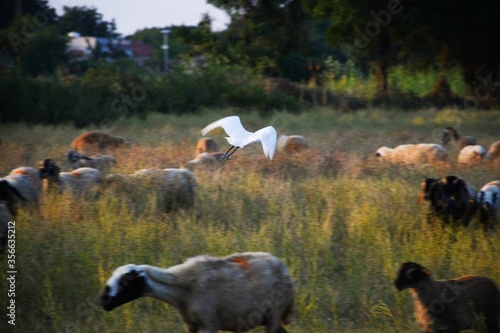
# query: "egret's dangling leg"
[[226, 155], [230, 155]]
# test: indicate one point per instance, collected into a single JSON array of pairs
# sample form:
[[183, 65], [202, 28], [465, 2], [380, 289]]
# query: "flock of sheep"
[[469, 152], [245, 290]]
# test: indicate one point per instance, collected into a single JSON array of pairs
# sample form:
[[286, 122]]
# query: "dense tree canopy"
[[288, 38], [86, 21], [11, 10]]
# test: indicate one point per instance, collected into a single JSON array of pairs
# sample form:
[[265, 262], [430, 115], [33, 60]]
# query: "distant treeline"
[[108, 93]]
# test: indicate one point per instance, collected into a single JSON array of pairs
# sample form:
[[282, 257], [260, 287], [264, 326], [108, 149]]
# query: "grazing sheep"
[[414, 154], [175, 187], [206, 145], [21, 185], [431, 189], [472, 154], [450, 196], [291, 144], [77, 182], [450, 306], [96, 141], [205, 160], [100, 162], [487, 201], [5, 218], [462, 199], [494, 152], [451, 134], [235, 293]]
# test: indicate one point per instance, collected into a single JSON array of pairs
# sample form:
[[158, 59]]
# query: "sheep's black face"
[[122, 289], [73, 156], [446, 137], [48, 168], [429, 183], [409, 275]]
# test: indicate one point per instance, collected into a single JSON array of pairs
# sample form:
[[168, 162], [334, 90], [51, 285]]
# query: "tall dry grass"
[[340, 220]]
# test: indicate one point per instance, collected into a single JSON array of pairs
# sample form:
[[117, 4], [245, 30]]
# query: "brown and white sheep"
[[291, 144], [174, 188], [103, 163], [494, 152], [471, 155], [451, 134], [76, 182], [96, 141], [430, 153], [450, 306], [5, 218], [206, 145], [234, 293]]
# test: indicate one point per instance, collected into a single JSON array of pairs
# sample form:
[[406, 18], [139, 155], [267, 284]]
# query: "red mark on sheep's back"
[[20, 172], [242, 262], [76, 173]]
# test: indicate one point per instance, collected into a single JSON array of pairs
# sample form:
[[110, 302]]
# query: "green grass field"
[[342, 221]]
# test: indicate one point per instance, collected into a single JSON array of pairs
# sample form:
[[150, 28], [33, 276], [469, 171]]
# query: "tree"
[[272, 36], [87, 22], [11, 10]]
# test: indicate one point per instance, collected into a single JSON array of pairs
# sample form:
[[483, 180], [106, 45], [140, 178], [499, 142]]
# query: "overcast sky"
[[132, 15]]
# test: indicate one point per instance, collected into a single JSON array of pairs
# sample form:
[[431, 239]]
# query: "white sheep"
[[205, 160], [174, 187], [471, 155], [5, 218], [488, 199], [234, 293], [76, 182], [100, 162], [414, 154], [291, 144], [23, 184]]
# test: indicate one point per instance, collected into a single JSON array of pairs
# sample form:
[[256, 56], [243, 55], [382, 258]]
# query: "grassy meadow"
[[342, 221]]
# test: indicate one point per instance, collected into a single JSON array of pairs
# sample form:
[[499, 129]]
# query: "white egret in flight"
[[239, 137]]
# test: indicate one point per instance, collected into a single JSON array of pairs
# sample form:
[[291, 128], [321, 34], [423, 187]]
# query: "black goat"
[[449, 197]]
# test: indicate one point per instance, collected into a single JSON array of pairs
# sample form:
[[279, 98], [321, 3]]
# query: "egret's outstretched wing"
[[267, 137], [232, 126]]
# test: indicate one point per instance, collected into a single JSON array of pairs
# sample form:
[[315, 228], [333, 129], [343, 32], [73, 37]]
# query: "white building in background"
[[85, 47]]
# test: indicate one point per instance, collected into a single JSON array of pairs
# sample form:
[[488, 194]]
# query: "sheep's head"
[[383, 152], [48, 169], [487, 199], [445, 137], [126, 284], [448, 134], [74, 157], [410, 275], [206, 145], [8, 192], [453, 185]]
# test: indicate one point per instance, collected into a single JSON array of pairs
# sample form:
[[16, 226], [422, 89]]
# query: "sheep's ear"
[[409, 273], [426, 271]]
